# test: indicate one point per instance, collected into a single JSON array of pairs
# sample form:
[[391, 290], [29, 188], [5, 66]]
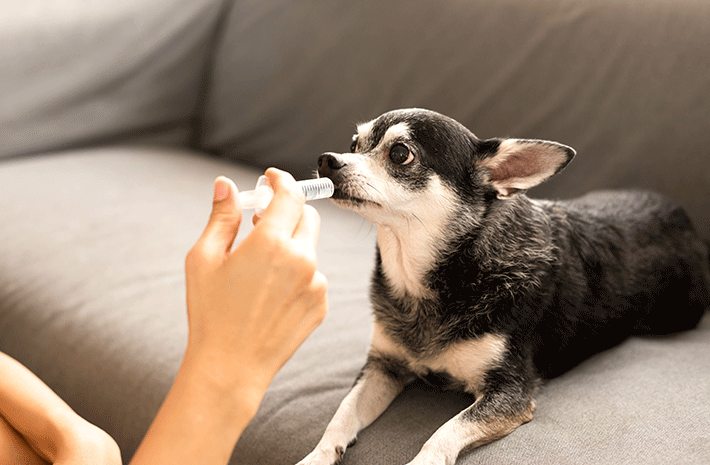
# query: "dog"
[[476, 287]]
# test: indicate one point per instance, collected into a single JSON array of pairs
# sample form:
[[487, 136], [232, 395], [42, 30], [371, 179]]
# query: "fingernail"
[[221, 189]]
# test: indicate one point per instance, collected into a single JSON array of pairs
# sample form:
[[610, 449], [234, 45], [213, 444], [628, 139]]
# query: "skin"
[[249, 308], [37, 427]]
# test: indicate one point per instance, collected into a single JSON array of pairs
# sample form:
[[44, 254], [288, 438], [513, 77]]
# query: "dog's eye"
[[353, 146], [400, 155]]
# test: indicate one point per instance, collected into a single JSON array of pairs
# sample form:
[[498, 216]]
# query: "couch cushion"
[[75, 72], [625, 82], [92, 300], [92, 295]]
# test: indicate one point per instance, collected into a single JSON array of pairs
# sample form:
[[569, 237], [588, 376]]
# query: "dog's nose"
[[329, 163]]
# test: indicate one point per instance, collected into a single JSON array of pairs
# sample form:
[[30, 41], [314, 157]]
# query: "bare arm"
[[37, 424], [248, 311]]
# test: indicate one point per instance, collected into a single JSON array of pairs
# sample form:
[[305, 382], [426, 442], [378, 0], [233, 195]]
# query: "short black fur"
[[569, 279], [557, 281]]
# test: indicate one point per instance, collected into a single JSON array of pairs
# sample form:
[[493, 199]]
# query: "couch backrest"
[[77, 72], [625, 82], [277, 82]]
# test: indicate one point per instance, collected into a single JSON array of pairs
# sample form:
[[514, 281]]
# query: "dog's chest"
[[461, 365]]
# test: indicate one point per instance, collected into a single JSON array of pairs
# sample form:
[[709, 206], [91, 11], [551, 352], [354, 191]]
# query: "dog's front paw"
[[324, 457]]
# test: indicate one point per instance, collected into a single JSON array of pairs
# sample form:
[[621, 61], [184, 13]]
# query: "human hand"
[[250, 308]]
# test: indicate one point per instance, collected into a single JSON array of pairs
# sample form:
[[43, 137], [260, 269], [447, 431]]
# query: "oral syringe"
[[259, 198]]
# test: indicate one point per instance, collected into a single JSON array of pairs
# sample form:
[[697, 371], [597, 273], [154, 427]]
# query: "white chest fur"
[[410, 239], [466, 361]]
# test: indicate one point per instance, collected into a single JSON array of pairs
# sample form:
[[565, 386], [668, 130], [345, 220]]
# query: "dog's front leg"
[[379, 383], [492, 416]]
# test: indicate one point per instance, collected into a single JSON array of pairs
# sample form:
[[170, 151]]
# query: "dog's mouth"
[[346, 199]]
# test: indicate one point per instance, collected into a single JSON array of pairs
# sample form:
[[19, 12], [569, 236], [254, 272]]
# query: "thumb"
[[225, 218]]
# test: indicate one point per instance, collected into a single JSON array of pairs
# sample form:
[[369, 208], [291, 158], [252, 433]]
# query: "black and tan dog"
[[479, 288]]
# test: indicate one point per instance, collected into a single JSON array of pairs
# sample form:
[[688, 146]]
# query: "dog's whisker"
[[373, 187], [420, 220]]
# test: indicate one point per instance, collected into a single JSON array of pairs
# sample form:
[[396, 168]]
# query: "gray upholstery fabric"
[[92, 281], [624, 82], [92, 276], [92, 295], [80, 73], [92, 241]]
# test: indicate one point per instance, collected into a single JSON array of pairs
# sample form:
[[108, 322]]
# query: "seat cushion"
[[92, 294], [92, 300]]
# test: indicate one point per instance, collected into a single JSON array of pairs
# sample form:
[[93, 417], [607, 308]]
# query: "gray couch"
[[115, 117]]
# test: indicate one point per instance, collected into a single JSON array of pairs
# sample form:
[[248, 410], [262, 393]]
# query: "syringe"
[[259, 198]]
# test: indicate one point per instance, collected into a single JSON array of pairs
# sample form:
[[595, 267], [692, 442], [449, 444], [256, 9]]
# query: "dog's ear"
[[515, 165]]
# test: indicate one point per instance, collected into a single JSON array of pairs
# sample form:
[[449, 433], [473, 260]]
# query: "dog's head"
[[418, 162]]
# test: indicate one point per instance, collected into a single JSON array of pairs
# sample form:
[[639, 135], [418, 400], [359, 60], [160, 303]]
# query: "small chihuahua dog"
[[477, 287]]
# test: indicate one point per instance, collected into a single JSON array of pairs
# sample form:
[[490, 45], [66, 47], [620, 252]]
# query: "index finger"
[[308, 228], [285, 210]]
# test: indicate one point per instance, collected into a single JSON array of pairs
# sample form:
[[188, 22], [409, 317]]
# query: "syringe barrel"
[[259, 198], [314, 189]]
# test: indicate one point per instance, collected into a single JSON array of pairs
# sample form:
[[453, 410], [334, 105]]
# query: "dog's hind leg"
[[379, 382], [493, 415]]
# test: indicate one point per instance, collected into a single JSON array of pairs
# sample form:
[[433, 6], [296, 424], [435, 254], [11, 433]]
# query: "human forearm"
[[30, 407], [249, 308], [202, 416], [47, 423], [14, 449]]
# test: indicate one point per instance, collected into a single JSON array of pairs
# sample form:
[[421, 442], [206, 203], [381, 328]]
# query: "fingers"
[[287, 215], [319, 303], [312, 305], [308, 227], [284, 212], [223, 225]]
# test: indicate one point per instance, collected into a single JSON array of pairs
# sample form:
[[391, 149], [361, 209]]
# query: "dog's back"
[[479, 288], [629, 262]]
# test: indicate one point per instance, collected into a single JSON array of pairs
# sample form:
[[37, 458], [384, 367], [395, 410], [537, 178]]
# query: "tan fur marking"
[[465, 361]]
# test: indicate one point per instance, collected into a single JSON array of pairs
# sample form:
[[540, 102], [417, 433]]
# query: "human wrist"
[[223, 378]]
